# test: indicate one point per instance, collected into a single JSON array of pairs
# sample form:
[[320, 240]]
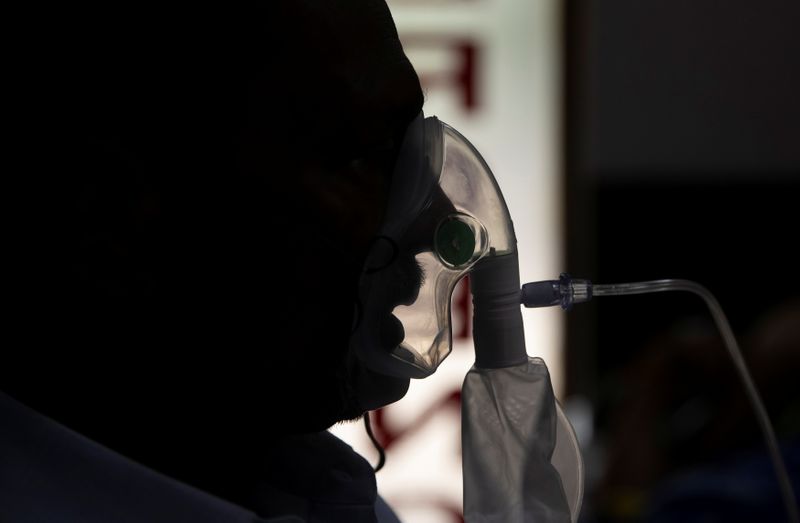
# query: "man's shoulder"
[[51, 473]]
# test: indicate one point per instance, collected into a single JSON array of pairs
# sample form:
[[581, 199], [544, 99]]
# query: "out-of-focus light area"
[[491, 70], [682, 126]]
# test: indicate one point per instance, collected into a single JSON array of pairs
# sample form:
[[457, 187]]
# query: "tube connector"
[[564, 292]]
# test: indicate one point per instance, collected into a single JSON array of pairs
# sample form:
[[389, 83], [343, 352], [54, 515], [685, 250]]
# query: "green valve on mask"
[[455, 242]]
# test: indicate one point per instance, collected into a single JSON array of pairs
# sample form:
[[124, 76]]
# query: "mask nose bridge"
[[415, 176], [420, 234]]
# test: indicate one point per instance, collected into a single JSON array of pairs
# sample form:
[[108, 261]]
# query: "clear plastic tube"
[[646, 287]]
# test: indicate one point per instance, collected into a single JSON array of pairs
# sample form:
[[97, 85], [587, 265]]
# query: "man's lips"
[[391, 332]]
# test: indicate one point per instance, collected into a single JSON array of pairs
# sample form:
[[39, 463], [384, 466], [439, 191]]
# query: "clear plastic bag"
[[521, 458]]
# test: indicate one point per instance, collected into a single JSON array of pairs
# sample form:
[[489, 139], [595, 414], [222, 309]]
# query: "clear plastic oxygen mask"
[[444, 214]]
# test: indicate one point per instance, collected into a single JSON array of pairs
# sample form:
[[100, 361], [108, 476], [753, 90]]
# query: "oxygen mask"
[[445, 213]]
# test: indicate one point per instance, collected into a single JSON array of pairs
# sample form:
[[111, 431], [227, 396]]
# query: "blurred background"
[[633, 140]]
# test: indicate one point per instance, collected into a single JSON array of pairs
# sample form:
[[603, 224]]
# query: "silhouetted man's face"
[[327, 218], [201, 207]]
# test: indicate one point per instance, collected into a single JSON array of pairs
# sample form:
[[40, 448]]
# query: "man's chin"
[[352, 416], [374, 390], [362, 390]]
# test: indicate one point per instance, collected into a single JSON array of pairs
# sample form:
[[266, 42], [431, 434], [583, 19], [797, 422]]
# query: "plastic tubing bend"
[[497, 319], [565, 291]]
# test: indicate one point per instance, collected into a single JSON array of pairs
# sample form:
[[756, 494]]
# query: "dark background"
[[683, 161]]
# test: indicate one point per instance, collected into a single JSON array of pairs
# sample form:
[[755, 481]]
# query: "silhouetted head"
[[199, 191]]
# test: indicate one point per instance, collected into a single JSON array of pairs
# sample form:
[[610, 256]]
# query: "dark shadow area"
[[682, 162]]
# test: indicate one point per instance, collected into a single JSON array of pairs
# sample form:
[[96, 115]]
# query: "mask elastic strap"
[[374, 440]]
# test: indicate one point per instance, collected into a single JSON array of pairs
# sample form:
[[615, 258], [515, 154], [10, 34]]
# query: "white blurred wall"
[[491, 69]]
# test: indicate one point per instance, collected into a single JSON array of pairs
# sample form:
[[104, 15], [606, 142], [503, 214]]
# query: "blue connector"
[[564, 292]]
